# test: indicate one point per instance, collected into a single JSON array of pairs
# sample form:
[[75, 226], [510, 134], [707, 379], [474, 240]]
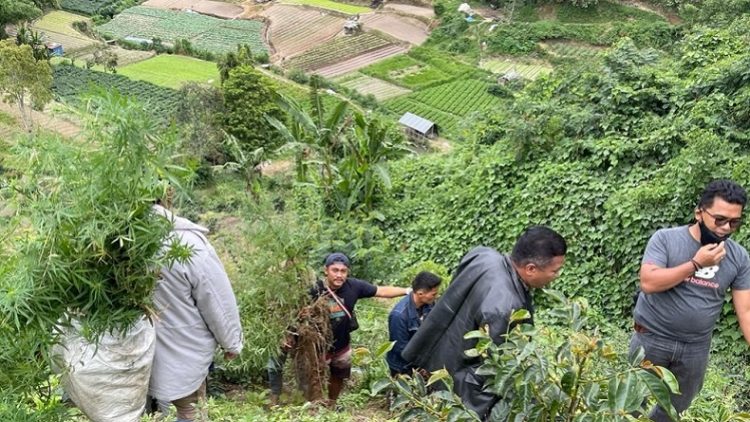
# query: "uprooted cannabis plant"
[[83, 242]]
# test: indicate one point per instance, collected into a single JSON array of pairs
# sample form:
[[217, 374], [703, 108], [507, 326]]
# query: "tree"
[[248, 98], [14, 11], [231, 60], [22, 77], [28, 36]]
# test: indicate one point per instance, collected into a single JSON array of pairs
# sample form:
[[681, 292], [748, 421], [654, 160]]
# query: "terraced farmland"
[[204, 32], [446, 122], [207, 7], [366, 85], [70, 82], [403, 28], [459, 97], [448, 103], [360, 61], [571, 49], [348, 9], [528, 71], [57, 26], [172, 71], [336, 50], [294, 29]]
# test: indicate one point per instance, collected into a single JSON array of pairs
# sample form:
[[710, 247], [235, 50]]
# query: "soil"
[[363, 60], [207, 7], [45, 120], [292, 30], [402, 28], [270, 168], [425, 12]]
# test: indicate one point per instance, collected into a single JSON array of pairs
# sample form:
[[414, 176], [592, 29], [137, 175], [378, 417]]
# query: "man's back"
[[484, 290]]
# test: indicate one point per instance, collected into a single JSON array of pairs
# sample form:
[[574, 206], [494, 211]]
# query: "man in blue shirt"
[[407, 316]]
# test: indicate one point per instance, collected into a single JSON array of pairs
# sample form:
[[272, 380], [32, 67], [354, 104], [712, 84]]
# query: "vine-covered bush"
[[606, 155]]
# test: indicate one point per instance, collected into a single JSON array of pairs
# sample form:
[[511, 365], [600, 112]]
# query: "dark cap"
[[337, 257]]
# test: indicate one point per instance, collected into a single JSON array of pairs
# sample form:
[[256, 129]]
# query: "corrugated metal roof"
[[415, 122]]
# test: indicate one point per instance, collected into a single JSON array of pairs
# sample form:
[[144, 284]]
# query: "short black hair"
[[538, 245], [725, 189], [425, 281]]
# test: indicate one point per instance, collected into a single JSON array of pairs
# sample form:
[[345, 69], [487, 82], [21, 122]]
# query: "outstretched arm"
[[391, 291]]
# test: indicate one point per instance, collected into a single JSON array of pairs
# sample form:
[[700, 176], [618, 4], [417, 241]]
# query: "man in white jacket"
[[196, 312]]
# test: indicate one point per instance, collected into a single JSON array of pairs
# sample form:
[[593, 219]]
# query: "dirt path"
[[45, 120]]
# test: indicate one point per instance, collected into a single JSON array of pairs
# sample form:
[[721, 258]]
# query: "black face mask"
[[708, 237]]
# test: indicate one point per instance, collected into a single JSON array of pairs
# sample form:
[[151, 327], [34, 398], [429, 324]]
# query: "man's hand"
[[230, 355], [710, 254]]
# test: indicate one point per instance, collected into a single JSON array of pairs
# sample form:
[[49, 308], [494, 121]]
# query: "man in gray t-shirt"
[[685, 274]]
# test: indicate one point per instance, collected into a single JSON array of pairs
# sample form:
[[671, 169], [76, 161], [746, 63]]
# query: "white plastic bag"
[[108, 381]]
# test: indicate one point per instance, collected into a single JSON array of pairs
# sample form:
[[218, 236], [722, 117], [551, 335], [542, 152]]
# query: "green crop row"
[[204, 32], [70, 82], [459, 97], [336, 50], [421, 68]]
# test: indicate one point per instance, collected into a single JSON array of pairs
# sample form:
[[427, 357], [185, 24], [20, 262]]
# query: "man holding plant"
[[341, 294], [684, 277], [486, 289]]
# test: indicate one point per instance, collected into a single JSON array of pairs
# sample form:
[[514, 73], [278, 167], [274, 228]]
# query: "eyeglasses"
[[720, 220]]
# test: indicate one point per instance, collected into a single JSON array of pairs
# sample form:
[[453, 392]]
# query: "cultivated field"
[[367, 85], [403, 28], [571, 49], [204, 32], [207, 7], [419, 69], [57, 26], [528, 71], [401, 105], [459, 97], [360, 61], [172, 71], [335, 51], [70, 82], [446, 104], [408, 9], [295, 29], [348, 9]]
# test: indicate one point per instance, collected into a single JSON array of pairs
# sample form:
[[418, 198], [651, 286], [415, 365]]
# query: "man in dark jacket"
[[406, 317], [486, 289]]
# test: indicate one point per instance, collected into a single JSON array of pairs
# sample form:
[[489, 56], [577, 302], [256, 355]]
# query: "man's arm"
[[741, 299], [214, 297], [655, 279], [391, 291]]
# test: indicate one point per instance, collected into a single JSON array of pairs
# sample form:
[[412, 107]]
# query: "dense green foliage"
[[70, 82], [248, 97], [15, 11], [605, 154], [85, 244]]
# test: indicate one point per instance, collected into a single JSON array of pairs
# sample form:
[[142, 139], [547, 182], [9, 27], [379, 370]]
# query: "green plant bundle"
[[85, 244]]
